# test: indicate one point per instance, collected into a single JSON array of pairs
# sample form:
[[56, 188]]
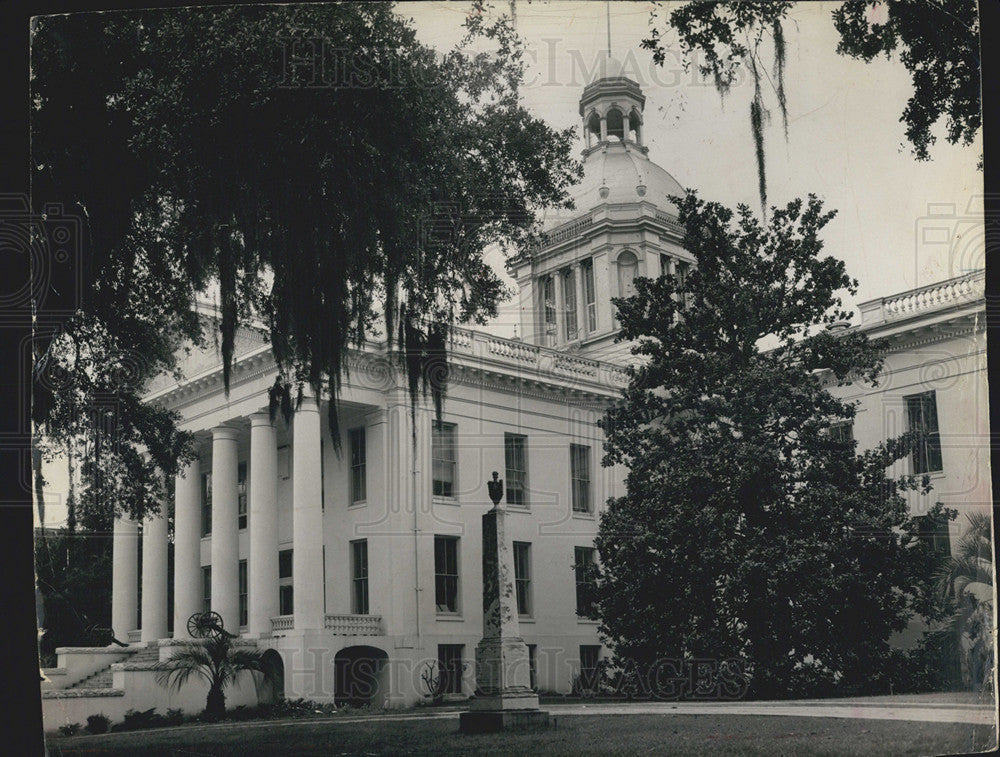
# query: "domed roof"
[[626, 173], [607, 68]]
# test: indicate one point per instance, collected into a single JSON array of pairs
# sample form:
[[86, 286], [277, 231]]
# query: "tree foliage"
[[73, 575], [730, 36], [966, 582], [937, 42], [315, 166], [749, 532]]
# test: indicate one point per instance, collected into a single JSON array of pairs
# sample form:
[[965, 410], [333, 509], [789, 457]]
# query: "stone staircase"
[[102, 678]]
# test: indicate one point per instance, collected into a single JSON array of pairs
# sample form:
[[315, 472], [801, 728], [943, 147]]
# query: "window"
[[359, 576], [569, 298], [579, 462], [842, 433], [446, 573], [533, 666], [682, 277], [934, 531], [585, 567], [921, 410], [285, 604], [522, 577], [590, 657], [589, 298], [549, 309], [517, 468], [241, 495], [628, 269], [615, 124], [243, 592], [356, 439], [206, 588], [450, 668], [443, 458], [206, 504], [664, 264]]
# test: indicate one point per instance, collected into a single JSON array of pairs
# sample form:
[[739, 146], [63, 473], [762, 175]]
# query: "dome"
[[608, 68], [625, 172]]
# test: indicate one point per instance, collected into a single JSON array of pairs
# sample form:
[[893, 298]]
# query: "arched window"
[[628, 269], [634, 127], [593, 129], [616, 124]]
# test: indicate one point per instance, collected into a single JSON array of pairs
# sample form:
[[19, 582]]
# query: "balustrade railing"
[[282, 623], [354, 625], [934, 296]]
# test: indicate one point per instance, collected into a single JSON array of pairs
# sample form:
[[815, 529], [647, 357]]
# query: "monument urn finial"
[[495, 488]]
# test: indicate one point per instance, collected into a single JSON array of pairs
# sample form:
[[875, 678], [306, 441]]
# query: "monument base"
[[493, 721]]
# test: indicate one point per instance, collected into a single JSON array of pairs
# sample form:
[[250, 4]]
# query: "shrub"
[[98, 723], [136, 720], [175, 716], [70, 729], [242, 712]]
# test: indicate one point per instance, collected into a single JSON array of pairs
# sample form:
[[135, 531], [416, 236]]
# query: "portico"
[[226, 535]]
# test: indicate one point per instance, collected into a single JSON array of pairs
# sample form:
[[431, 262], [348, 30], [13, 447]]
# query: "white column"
[[154, 577], [559, 281], [604, 129], [187, 548], [263, 523], [124, 578], [225, 529], [307, 518], [581, 306]]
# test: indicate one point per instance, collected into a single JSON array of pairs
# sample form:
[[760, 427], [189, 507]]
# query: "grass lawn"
[[575, 735]]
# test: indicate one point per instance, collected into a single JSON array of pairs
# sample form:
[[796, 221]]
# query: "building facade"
[[359, 563]]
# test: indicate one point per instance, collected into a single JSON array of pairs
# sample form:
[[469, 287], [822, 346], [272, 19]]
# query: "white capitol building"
[[375, 555]]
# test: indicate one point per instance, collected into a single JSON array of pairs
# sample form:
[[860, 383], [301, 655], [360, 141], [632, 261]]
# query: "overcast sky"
[[900, 224]]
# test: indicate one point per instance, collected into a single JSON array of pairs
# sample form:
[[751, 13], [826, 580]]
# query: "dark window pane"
[[522, 576], [443, 459], [923, 421], [516, 468], [358, 464], [584, 568], [450, 668], [359, 554], [446, 573], [285, 563]]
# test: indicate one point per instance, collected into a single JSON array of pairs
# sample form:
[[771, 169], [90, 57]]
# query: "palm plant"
[[966, 579], [219, 664]]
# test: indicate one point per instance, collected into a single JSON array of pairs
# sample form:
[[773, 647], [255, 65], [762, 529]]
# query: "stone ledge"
[[128, 666], [186, 642], [49, 672], [493, 721], [97, 650], [82, 693]]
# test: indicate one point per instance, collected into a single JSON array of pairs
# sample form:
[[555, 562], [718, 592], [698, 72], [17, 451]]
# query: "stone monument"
[[504, 700]]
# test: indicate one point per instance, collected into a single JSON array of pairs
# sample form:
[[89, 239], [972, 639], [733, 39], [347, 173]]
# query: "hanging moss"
[[729, 35]]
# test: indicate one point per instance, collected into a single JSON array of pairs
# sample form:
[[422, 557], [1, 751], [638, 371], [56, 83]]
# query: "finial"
[[495, 488]]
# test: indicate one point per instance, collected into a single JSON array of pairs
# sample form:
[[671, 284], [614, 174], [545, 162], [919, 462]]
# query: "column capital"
[[220, 433], [262, 418], [309, 404]]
